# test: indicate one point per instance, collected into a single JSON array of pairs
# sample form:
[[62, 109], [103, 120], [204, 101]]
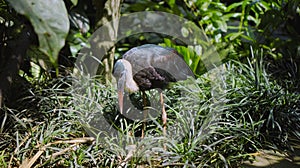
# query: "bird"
[[147, 67]]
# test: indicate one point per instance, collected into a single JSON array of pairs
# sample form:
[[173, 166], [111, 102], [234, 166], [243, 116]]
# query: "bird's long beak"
[[120, 100], [121, 84]]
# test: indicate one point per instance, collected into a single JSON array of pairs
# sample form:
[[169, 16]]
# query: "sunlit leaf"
[[233, 6], [222, 25], [50, 21], [74, 2]]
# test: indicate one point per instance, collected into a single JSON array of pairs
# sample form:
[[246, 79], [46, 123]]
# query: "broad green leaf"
[[50, 21]]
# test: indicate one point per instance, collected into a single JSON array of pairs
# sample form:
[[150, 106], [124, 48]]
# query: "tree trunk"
[[109, 14]]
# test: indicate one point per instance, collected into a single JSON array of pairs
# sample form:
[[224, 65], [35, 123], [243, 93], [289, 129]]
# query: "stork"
[[148, 67]]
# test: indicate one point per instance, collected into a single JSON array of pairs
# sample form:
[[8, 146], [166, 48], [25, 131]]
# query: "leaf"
[[50, 21], [233, 36], [74, 2], [231, 15], [233, 6], [222, 25], [171, 3]]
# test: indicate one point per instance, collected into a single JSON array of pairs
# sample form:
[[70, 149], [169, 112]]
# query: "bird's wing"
[[164, 59]]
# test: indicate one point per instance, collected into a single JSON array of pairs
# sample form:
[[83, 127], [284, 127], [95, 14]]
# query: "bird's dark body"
[[150, 78], [155, 66]]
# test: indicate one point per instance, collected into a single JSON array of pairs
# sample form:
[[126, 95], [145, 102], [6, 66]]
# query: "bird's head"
[[123, 73]]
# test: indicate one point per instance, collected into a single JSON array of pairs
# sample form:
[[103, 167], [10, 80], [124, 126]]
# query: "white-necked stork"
[[148, 67]]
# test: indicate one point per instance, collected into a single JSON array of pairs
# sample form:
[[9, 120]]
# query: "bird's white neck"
[[130, 84]]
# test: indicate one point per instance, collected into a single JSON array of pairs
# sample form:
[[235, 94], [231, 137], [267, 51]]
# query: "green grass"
[[248, 111]]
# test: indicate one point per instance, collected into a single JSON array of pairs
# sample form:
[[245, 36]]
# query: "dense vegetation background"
[[258, 42]]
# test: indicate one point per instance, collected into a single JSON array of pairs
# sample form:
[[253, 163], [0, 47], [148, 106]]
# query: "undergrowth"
[[67, 126]]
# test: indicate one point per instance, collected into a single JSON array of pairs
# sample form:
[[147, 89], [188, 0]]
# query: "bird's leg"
[[145, 112], [164, 116]]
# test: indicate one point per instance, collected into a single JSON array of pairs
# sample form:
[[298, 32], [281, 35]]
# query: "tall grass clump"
[[212, 136], [43, 131], [252, 112], [255, 98]]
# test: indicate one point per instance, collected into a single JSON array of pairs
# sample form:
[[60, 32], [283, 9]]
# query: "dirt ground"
[[271, 159]]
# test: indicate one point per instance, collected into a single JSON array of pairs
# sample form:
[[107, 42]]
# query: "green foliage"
[[50, 30], [258, 108], [264, 101], [74, 2], [189, 55], [3, 158], [204, 131]]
